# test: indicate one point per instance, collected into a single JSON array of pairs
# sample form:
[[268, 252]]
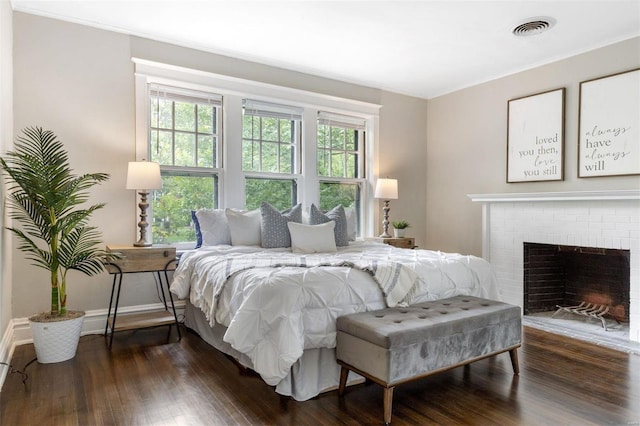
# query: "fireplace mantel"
[[568, 196], [624, 194]]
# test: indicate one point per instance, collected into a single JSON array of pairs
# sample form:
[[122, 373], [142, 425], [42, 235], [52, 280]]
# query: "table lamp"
[[386, 189], [143, 176]]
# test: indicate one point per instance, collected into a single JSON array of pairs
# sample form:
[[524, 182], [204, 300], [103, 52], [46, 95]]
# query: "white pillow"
[[214, 227], [337, 215], [312, 238], [244, 227]]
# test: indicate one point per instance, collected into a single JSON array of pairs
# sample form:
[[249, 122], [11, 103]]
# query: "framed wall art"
[[609, 125], [535, 137]]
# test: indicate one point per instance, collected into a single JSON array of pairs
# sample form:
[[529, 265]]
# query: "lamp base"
[[385, 222], [142, 244]]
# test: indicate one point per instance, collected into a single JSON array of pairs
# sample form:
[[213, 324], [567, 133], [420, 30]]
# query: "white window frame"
[[281, 111], [348, 122], [355, 123], [175, 92], [233, 91], [180, 94]]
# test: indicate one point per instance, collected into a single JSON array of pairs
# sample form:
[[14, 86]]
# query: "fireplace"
[[596, 221], [592, 280]]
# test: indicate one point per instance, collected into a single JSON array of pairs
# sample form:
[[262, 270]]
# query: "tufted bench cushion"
[[395, 345]]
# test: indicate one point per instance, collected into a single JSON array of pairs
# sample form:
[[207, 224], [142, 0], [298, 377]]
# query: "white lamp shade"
[[387, 189], [143, 175]]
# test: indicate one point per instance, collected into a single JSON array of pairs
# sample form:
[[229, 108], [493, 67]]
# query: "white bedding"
[[273, 314]]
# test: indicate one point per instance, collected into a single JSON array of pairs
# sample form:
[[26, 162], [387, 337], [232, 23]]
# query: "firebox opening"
[[559, 275]]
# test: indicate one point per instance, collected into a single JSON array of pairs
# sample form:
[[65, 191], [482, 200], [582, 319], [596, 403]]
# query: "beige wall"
[[79, 82], [466, 150], [403, 127]]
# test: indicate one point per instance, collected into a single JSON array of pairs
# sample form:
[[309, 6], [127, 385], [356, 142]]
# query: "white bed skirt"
[[315, 372]]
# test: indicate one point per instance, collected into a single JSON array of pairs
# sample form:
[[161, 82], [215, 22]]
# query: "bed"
[[275, 311]]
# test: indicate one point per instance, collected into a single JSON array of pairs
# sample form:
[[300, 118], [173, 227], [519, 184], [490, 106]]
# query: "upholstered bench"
[[396, 345]]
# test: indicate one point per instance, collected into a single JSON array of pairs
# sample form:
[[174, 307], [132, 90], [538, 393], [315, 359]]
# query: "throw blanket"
[[394, 279]]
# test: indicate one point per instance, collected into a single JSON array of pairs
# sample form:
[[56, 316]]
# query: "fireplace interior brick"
[[568, 275]]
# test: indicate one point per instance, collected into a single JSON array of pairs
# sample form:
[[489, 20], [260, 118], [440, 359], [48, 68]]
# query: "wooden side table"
[[405, 242], [155, 259]]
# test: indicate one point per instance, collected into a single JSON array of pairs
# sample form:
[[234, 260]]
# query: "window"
[[340, 151], [340, 139], [281, 145], [270, 147], [184, 139]]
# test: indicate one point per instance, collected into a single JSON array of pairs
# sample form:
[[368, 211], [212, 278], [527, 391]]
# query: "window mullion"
[[296, 150], [173, 133], [330, 153], [196, 138], [261, 145], [344, 154], [361, 154], [278, 150]]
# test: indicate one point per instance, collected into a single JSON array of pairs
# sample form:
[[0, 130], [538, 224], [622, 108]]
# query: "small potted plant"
[[399, 228], [45, 200]]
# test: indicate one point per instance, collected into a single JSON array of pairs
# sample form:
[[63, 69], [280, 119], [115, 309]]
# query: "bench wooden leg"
[[513, 353], [344, 372], [387, 403]]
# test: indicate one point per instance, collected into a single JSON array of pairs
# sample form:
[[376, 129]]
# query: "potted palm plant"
[[45, 199]]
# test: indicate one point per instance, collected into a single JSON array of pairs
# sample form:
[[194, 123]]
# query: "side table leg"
[[173, 306], [115, 311], [113, 287], [164, 297]]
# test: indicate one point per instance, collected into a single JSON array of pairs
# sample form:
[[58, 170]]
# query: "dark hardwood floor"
[[146, 381]]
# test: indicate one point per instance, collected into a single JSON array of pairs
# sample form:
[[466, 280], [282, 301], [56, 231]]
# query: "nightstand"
[[154, 259], [406, 242]]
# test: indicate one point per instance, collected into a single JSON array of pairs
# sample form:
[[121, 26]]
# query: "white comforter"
[[273, 313]]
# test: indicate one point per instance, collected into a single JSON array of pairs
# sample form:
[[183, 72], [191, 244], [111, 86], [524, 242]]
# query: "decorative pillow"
[[196, 225], [350, 212], [244, 227], [337, 215], [212, 227], [312, 238], [275, 232]]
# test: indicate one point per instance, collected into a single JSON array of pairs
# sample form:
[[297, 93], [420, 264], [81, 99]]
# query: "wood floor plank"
[[145, 380]]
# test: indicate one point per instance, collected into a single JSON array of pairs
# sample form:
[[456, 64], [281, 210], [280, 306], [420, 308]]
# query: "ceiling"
[[419, 48]]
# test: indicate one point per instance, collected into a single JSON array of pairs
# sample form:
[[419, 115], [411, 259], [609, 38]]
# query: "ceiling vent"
[[534, 26]]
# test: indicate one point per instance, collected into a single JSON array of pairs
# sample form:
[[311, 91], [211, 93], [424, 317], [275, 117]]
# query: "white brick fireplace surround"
[[604, 219]]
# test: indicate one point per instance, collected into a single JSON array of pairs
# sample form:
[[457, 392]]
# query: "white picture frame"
[[609, 125], [535, 137]]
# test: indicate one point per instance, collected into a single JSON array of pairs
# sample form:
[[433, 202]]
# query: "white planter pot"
[[399, 233], [56, 341]]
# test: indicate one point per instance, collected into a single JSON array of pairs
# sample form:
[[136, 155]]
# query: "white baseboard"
[[94, 321], [18, 331]]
